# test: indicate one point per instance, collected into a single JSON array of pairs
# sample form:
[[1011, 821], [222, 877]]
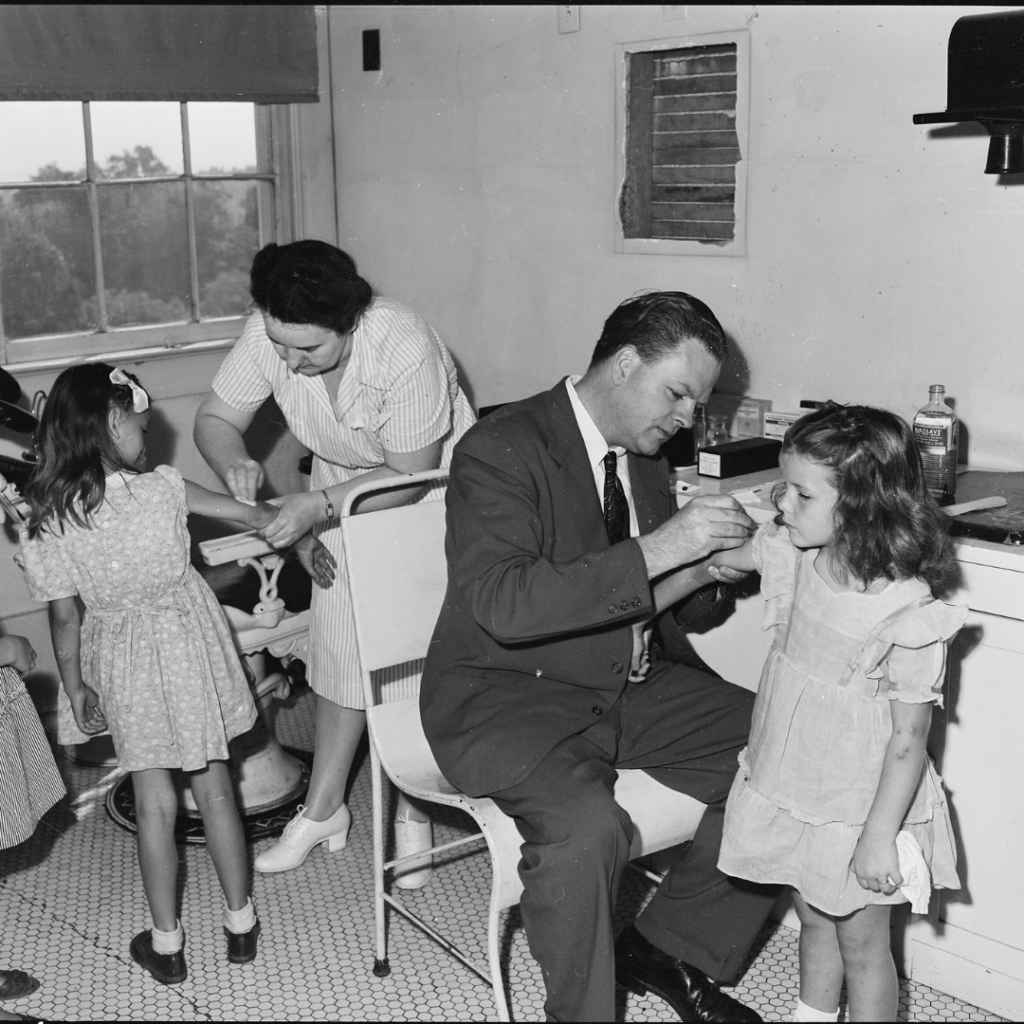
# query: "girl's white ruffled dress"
[[821, 725], [155, 644]]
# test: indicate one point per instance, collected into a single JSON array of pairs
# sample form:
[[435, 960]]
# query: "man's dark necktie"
[[616, 509]]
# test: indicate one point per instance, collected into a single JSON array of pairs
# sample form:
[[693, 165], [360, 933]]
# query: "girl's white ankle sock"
[[239, 921], [803, 1012], [168, 942]]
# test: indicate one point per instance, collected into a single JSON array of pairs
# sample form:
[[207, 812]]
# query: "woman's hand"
[[262, 515], [316, 560], [86, 706], [299, 514], [876, 864], [17, 652], [243, 478]]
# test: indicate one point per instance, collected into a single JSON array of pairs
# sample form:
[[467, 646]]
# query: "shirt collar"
[[597, 446]]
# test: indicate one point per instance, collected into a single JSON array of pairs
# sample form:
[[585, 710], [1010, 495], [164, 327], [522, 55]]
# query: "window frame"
[[277, 157], [677, 246]]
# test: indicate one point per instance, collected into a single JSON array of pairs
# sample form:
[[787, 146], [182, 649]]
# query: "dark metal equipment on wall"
[[985, 83]]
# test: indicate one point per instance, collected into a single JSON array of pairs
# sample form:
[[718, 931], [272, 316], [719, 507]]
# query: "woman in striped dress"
[[29, 782], [370, 389]]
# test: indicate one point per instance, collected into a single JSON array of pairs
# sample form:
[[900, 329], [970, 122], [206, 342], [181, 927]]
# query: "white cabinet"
[[972, 944]]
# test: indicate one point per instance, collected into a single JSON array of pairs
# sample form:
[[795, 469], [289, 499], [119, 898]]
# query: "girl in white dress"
[[836, 796], [152, 660]]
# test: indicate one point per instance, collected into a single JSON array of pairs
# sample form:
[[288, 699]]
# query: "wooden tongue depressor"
[[974, 506]]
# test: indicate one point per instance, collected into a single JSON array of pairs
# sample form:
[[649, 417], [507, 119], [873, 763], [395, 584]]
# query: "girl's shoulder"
[[921, 619], [155, 483], [778, 562], [772, 550]]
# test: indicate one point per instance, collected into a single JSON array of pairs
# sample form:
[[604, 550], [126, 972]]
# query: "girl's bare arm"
[[875, 861], [740, 559], [66, 634], [204, 502]]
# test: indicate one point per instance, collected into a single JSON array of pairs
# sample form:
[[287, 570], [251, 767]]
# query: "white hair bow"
[[140, 400]]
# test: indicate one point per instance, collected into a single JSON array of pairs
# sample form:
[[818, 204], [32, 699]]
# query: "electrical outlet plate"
[[568, 18]]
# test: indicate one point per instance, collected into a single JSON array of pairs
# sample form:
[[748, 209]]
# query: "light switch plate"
[[568, 18]]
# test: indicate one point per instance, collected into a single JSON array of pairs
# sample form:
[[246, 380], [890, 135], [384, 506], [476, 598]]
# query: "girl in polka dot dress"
[[152, 658]]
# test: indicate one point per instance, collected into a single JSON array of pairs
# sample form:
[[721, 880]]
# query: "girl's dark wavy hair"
[[75, 447], [309, 282], [887, 524]]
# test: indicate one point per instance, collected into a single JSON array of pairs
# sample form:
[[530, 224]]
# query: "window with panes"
[[130, 224]]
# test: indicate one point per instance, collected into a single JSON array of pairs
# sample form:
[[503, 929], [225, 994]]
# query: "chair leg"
[[381, 967], [494, 962]]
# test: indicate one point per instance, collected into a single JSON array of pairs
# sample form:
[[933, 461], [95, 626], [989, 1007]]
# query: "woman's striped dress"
[[29, 781], [399, 393]]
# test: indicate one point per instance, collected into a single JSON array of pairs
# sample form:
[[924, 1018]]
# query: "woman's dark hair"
[[887, 524], [75, 446], [656, 323], [309, 282]]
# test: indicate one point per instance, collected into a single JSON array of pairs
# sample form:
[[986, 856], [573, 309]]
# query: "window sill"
[[135, 355]]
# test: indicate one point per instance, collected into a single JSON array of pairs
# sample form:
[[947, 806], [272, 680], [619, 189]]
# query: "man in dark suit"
[[560, 520]]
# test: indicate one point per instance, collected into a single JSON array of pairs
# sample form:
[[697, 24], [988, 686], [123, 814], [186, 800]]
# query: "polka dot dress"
[[155, 644]]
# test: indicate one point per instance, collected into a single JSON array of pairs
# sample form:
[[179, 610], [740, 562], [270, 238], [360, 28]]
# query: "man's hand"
[[726, 574], [704, 525]]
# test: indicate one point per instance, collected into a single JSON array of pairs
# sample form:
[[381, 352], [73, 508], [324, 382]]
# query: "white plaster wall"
[[476, 182]]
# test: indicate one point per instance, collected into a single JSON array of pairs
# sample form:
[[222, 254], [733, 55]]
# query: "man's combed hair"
[[887, 524], [75, 447], [309, 282], [656, 323]]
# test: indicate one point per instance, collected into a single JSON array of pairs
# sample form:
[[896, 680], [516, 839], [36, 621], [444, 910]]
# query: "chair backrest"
[[398, 575]]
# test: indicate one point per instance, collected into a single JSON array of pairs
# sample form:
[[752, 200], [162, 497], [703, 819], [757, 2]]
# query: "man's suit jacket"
[[534, 639]]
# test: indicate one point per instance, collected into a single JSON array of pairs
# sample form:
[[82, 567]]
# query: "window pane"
[[136, 140], [145, 252], [41, 141], [47, 280], [227, 237], [222, 136]]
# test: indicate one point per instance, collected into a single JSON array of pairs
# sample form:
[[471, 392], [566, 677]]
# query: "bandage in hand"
[[640, 661]]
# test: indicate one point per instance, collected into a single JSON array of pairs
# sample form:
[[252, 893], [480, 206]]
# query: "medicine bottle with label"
[[937, 433]]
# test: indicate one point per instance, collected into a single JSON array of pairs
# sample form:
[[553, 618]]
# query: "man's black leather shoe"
[[642, 967]]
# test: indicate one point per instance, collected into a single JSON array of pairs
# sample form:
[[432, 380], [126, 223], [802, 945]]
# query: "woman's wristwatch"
[[330, 506]]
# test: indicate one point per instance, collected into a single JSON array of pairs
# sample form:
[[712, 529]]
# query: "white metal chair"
[[398, 574]]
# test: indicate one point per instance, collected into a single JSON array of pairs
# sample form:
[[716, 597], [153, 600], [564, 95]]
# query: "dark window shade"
[[249, 53], [682, 147]]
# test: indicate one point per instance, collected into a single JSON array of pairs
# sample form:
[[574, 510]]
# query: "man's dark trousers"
[[685, 728]]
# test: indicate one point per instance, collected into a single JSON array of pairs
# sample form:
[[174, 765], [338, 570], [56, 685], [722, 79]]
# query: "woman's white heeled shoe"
[[411, 837], [300, 835]]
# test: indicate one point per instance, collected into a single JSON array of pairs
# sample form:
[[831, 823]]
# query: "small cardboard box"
[[736, 457], [777, 422], [749, 418]]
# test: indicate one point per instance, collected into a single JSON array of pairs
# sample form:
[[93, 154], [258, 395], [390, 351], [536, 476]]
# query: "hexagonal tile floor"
[[71, 899]]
